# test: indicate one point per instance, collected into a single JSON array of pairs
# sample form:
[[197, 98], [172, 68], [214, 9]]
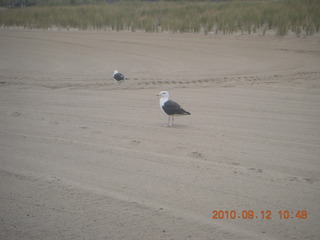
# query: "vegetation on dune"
[[174, 16]]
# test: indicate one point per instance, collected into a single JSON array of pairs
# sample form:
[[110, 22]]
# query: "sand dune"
[[84, 158]]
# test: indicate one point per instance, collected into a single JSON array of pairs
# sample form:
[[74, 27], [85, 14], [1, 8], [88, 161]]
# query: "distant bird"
[[118, 76], [170, 107]]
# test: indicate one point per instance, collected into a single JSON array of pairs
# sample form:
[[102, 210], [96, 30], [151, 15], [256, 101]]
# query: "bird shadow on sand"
[[176, 126]]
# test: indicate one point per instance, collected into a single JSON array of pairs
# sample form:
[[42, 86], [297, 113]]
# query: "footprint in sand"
[[296, 179], [15, 114], [197, 155], [259, 170]]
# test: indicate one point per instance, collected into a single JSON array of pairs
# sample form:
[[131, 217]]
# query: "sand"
[[84, 158]]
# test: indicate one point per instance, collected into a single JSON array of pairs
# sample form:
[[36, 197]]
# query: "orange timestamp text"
[[264, 214]]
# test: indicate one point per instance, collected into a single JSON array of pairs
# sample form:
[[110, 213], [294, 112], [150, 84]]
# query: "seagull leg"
[[167, 125], [171, 121]]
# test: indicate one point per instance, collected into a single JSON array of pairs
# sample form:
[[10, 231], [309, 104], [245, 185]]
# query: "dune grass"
[[174, 16]]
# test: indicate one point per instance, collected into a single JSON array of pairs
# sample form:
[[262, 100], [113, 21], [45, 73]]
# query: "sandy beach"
[[82, 157]]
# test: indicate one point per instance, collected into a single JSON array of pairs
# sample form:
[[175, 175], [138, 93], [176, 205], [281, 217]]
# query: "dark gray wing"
[[118, 76], [171, 107]]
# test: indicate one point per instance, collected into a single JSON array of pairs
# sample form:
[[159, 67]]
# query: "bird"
[[171, 108], [118, 76]]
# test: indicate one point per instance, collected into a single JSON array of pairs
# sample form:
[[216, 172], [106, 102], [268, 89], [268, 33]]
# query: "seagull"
[[118, 76], [170, 107]]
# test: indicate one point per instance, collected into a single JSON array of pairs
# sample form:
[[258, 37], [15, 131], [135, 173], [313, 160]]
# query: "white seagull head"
[[163, 94]]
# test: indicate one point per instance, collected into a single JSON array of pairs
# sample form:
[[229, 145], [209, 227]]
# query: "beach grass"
[[283, 16]]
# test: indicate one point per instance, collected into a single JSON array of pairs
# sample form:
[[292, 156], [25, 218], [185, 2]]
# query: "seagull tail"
[[186, 113]]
